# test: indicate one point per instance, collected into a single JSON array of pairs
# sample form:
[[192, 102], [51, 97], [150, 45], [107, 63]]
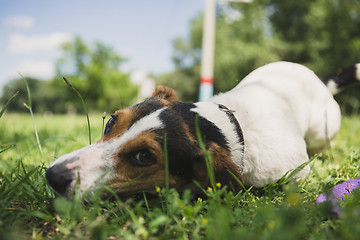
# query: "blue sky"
[[141, 30]]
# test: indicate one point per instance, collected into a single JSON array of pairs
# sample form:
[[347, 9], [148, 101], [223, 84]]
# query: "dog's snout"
[[59, 177]]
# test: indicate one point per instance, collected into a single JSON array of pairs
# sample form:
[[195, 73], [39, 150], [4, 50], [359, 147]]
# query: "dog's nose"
[[59, 177]]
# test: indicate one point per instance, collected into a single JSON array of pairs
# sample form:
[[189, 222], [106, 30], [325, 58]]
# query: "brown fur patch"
[[123, 120], [166, 103], [165, 93], [188, 133], [222, 164], [132, 178]]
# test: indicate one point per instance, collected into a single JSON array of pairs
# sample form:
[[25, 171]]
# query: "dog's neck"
[[225, 121]]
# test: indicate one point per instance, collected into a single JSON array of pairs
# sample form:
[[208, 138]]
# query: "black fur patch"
[[183, 152], [235, 122], [145, 108], [345, 77]]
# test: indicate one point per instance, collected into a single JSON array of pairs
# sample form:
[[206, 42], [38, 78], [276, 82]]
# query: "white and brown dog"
[[258, 131]]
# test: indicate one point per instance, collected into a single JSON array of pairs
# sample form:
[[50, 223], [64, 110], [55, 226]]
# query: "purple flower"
[[337, 193]]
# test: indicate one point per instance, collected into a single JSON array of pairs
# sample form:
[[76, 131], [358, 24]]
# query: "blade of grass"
[[238, 181], [7, 148], [141, 230], [327, 139], [166, 163], [83, 103], [208, 160], [146, 202], [166, 166], [29, 107], [19, 180], [291, 173], [103, 123], [7, 103]]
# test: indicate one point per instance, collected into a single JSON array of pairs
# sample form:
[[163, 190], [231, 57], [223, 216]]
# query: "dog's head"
[[129, 158]]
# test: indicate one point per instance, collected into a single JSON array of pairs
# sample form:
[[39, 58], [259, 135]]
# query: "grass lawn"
[[30, 210]]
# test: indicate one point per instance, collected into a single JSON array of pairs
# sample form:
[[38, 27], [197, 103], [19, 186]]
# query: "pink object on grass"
[[337, 193]]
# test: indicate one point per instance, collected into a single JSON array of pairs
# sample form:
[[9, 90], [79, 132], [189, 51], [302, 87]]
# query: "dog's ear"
[[225, 170], [165, 93]]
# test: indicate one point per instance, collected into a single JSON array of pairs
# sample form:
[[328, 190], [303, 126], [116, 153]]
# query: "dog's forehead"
[[147, 107], [128, 117], [134, 113], [170, 117]]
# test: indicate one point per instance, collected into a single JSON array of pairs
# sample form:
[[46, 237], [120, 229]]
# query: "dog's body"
[[258, 131], [283, 109]]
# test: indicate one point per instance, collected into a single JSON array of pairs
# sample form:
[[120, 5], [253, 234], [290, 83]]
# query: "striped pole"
[[207, 55]]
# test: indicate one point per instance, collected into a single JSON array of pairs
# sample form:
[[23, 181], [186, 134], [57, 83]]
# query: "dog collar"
[[235, 122]]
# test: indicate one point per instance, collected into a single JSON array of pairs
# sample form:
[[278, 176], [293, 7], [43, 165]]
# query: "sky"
[[140, 30]]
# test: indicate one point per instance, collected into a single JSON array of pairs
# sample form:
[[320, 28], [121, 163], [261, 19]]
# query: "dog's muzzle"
[[60, 177]]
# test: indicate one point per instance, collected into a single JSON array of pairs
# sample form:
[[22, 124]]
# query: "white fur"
[[357, 71], [211, 112], [332, 86], [96, 162], [283, 109]]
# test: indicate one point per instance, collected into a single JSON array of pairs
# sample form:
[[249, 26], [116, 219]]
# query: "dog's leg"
[[323, 127]]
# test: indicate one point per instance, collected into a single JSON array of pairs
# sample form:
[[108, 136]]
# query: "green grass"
[[30, 210]]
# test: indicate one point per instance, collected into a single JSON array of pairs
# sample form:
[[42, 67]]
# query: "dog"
[[254, 134]]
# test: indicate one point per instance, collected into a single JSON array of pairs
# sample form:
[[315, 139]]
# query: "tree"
[[321, 34], [44, 95], [94, 71], [241, 45]]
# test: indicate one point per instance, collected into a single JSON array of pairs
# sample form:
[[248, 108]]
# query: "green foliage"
[[7, 104], [29, 209], [349, 100], [45, 97], [323, 35], [83, 103], [29, 107], [93, 70], [268, 30]]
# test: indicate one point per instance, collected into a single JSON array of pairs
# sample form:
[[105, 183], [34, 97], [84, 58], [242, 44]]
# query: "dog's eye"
[[143, 158], [110, 124]]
